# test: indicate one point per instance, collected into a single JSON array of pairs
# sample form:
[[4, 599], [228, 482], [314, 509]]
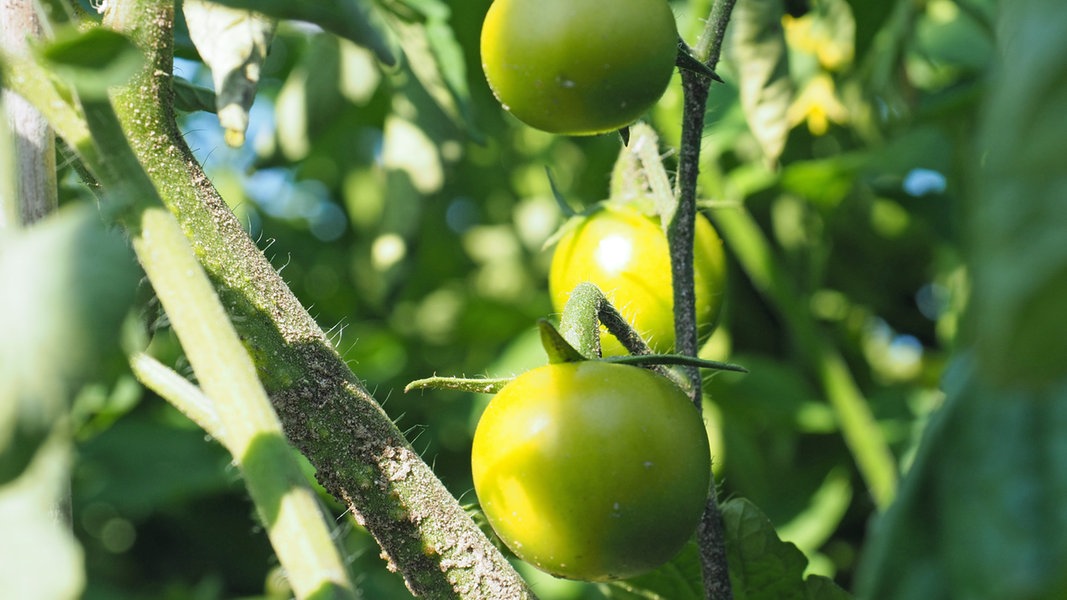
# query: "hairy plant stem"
[[695, 87], [179, 391], [246, 422], [359, 454]]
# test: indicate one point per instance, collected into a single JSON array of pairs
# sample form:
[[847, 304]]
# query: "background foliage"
[[410, 213]]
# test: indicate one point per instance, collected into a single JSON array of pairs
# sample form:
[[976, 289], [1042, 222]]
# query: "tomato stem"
[[676, 359], [695, 89], [478, 385]]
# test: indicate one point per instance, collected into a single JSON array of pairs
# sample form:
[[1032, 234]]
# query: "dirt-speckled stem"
[[359, 454]]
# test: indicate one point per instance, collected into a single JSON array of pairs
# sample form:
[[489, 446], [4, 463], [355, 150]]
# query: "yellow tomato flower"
[[817, 104]]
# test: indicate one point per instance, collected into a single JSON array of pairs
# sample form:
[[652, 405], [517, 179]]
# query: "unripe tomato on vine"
[[578, 67], [591, 470], [625, 253]]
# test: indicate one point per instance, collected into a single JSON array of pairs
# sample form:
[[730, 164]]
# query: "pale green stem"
[[253, 435], [29, 80], [252, 432], [180, 392], [359, 454]]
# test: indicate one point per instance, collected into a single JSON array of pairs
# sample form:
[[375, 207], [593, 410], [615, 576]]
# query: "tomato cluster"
[[592, 470], [625, 253], [578, 67]]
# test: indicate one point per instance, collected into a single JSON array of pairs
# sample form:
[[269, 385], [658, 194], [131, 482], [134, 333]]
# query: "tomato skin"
[[592, 470], [625, 253], [578, 67]]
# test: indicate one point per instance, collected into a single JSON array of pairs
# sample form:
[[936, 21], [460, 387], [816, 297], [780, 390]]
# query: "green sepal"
[[687, 61], [564, 207], [559, 350]]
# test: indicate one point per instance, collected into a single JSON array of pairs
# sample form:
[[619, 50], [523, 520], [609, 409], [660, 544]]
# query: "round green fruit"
[[591, 470], [625, 253], [578, 67]]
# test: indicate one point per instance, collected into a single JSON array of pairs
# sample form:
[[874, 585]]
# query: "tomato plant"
[[578, 67], [592, 470], [625, 253]]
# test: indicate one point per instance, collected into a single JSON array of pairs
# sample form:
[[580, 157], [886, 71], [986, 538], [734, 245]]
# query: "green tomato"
[[578, 67], [592, 470], [625, 253]]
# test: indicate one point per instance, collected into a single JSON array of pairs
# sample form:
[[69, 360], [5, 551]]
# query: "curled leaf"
[[234, 44], [763, 67]]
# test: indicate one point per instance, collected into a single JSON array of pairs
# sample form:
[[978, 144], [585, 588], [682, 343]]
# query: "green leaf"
[[310, 98], [72, 282], [39, 558], [983, 511], [436, 60], [356, 20], [759, 49], [431, 9], [824, 181], [826, 509], [92, 61], [763, 567], [823, 588], [190, 97], [233, 44], [679, 579], [1019, 213], [141, 480]]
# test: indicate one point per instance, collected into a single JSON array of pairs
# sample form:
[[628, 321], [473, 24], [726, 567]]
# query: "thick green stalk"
[[29, 80], [179, 391], [314, 567], [249, 428], [359, 454], [252, 432], [247, 424]]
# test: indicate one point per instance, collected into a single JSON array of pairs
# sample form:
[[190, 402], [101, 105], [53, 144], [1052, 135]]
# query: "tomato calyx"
[[579, 338]]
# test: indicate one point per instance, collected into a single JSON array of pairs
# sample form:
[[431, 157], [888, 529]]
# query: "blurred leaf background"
[[409, 212]]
